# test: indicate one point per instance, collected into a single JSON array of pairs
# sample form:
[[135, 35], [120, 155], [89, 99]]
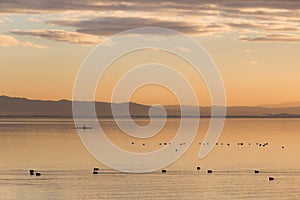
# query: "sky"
[[255, 45]]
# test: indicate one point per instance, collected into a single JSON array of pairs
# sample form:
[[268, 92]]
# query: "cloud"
[[5, 19], [9, 41], [253, 62], [266, 26], [273, 38], [31, 19], [100, 17], [182, 49], [113, 25], [61, 35], [30, 44], [34, 6], [245, 24]]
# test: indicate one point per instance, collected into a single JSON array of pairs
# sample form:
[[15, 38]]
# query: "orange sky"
[[255, 46]]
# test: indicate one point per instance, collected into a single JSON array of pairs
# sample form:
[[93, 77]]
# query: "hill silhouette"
[[22, 107]]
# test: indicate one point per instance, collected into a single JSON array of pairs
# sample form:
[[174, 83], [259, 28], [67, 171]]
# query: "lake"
[[53, 148]]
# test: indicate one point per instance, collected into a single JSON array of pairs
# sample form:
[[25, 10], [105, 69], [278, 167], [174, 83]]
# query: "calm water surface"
[[52, 147]]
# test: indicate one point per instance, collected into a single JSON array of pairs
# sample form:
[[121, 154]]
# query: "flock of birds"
[[96, 170], [217, 144], [163, 171]]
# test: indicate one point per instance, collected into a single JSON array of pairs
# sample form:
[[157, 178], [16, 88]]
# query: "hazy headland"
[[22, 107]]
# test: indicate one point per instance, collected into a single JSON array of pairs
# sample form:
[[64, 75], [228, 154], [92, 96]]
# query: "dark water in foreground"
[[81, 184]]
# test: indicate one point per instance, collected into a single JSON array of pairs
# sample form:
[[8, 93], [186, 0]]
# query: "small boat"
[[84, 127]]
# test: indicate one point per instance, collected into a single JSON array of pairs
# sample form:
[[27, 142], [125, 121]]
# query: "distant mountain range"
[[22, 107], [283, 105]]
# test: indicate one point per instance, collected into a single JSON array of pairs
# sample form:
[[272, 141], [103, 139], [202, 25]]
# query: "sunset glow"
[[255, 45]]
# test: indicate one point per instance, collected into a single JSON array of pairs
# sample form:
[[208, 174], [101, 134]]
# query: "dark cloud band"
[[61, 35], [113, 25], [24, 6]]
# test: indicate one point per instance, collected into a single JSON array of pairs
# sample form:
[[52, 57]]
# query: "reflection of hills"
[[10, 106]]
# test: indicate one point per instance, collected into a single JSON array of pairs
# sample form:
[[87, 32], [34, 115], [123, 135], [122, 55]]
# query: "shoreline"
[[146, 117]]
